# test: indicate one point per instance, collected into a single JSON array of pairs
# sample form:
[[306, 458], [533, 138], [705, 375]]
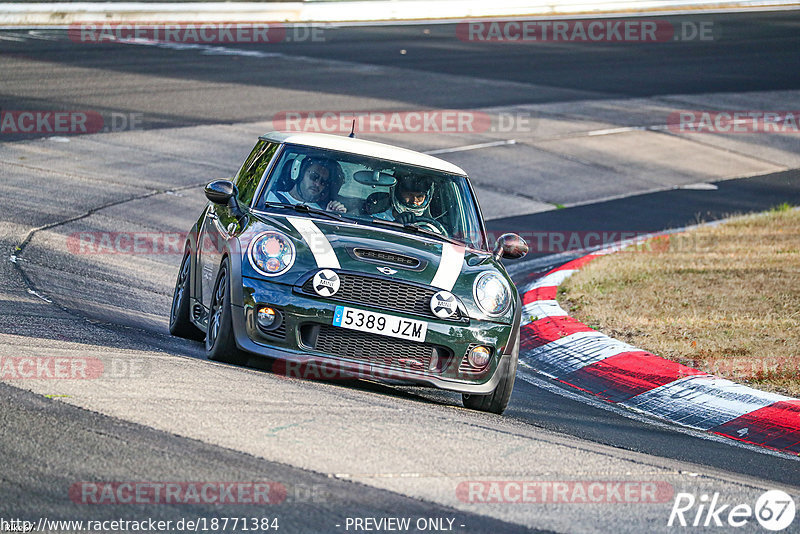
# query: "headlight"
[[271, 253], [491, 293]]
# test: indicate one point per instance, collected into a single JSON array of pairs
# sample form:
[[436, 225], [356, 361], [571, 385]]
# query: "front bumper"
[[304, 317]]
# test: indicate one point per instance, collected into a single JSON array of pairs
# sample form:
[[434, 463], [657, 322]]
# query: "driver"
[[317, 186], [411, 199]]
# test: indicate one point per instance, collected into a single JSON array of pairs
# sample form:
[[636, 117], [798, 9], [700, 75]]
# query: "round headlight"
[[271, 253], [491, 293]]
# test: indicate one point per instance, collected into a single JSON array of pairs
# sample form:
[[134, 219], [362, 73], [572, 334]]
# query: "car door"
[[220, 223], [210, 247]]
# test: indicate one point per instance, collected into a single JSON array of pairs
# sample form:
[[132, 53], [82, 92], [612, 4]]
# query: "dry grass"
[[723, 299]]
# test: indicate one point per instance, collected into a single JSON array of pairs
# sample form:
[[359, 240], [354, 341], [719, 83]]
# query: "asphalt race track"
[[594, 143]]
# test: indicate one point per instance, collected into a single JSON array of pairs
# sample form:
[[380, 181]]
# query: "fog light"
[[266, 317], [479, 356]]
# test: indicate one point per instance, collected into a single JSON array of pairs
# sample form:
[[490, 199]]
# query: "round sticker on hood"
[[444, 304], [326, 283]]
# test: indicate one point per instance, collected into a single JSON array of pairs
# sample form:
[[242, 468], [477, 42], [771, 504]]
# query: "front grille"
[[376, 349], [382, 293], [387, 257]]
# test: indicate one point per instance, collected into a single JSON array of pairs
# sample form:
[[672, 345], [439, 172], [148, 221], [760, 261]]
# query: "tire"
[[180, 324], [496, 401], [220, 343]]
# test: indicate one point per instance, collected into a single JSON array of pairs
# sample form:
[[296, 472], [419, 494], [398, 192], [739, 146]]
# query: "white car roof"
[[364, 148]]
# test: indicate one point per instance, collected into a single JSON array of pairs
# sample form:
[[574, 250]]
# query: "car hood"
[[364, 248], [321, 244]]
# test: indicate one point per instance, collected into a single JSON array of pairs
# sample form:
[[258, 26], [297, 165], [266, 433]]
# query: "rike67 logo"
[[774, 510]]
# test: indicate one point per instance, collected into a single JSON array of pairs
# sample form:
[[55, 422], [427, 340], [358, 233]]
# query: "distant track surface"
[[173, 87]]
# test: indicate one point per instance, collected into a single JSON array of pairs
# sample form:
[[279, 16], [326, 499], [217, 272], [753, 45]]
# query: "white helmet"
[[412, 184]]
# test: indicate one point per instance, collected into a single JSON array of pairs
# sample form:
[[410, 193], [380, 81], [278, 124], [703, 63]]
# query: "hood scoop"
[[383, 257]]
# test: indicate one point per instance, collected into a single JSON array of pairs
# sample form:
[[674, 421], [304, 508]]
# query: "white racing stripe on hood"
[[449, 267], [320, 246]]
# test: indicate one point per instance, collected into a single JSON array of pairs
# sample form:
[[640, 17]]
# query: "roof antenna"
[[353, 129]]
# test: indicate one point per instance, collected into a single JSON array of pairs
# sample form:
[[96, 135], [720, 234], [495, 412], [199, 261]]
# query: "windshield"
[[374, 191]]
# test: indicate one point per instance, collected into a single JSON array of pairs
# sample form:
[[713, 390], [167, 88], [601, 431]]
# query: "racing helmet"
[[412, 184]]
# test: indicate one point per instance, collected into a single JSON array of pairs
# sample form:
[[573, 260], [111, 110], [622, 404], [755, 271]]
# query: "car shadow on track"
[[316, 375]]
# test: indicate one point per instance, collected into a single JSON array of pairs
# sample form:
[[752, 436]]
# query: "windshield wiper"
[[305, 208], [431, 233], [387, 223], [415, 229]]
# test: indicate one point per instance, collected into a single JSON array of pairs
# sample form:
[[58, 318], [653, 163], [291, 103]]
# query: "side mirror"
[[510, 246], [220, 191], [224, 193]]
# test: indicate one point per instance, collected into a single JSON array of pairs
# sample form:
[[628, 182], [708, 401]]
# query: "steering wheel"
[[432, 224]]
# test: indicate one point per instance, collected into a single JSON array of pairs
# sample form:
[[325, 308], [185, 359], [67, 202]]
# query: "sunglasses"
[[317, 177]]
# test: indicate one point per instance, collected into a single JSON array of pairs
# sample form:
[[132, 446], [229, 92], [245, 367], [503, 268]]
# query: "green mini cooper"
[[355, 259]]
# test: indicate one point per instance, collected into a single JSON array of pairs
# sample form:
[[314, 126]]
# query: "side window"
[[253, 169]]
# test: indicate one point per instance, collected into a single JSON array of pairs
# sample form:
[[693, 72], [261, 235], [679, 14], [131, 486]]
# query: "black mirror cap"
[[220, 191], [510, 246]]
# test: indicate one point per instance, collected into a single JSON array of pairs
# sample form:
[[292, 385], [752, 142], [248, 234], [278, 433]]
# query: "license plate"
[[380, 323]]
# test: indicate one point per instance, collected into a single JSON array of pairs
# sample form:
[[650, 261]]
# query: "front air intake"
[[381, 256]]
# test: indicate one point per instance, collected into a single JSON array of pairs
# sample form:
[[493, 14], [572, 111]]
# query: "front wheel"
[[497, 400], [220, 343]]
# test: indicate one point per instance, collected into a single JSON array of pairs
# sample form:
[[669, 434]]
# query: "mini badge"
[[443, 304], [326, 283]]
